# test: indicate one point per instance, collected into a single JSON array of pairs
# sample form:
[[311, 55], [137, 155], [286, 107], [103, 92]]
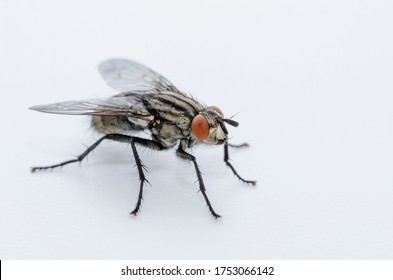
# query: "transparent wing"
[[123, 105], [127, 75]]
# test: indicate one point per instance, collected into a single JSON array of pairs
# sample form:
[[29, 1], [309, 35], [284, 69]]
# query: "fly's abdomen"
[[120, 124]]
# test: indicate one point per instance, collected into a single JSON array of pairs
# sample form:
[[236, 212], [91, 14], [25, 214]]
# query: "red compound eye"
[[218, 110], [200, 127]]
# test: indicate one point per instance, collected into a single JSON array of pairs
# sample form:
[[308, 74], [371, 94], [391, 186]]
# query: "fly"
[[148, 102]]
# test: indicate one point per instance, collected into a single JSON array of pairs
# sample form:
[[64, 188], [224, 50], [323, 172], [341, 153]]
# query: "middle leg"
[[139, 164]]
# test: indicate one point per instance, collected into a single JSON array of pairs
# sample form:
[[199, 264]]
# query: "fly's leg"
[[78, 159], [226, 159], [184, 155], [144, 142], [121, 138], [142, 177]]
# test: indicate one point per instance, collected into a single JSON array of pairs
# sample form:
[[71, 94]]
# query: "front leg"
[[226, 159], [184, 155]]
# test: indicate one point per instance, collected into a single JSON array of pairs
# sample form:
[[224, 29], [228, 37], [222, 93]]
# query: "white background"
[[310, 82]]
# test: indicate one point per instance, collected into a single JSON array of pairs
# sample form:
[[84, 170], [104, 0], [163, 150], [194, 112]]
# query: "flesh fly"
[[149, 102]]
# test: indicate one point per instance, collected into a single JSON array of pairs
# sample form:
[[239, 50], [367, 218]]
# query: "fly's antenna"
[[231, 122]]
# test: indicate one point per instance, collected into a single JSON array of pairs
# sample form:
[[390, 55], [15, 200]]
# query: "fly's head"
[[208, 126]]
